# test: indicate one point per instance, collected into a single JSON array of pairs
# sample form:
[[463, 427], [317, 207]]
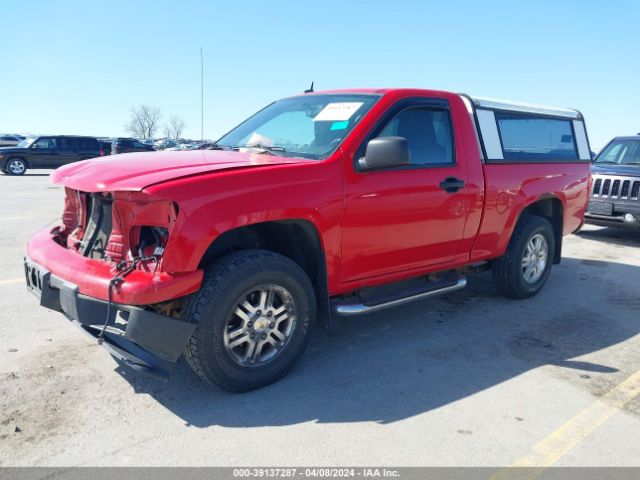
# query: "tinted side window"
[[428, 132], [88, 144], [67, 144], [536, 138]]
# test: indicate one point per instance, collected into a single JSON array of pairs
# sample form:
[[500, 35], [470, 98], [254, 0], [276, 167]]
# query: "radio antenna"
[[310, 90], [201, 96]]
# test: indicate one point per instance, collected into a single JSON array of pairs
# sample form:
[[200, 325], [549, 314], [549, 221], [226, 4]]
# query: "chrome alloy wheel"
[[260, 325], [16, 167], [534, 261]]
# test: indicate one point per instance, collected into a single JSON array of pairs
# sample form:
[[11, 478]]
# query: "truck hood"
[[135, 171], [627, 171]]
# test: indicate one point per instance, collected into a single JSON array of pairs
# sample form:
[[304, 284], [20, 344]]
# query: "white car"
[[10, 140], [164, 144]]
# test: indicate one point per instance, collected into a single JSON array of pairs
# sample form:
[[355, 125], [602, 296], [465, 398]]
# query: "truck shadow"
[[626, 237], [403, 362]]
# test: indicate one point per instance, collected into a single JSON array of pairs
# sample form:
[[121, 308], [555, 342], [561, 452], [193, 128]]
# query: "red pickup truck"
[[341, 202]]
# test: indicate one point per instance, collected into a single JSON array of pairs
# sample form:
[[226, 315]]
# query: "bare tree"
[[177, 126], [144, 121]]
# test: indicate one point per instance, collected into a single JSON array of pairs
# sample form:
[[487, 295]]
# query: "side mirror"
[[385, 152]]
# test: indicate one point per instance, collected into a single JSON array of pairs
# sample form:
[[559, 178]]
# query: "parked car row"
[[173, 144], [18, 154], [187, 146], [164, 143], [129, 145]]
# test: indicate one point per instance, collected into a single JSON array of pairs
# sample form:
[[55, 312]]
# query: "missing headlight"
[[152, 241]]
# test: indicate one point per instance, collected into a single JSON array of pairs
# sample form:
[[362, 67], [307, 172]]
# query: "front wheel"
[[253, 313], [15, 166], [525, 267]]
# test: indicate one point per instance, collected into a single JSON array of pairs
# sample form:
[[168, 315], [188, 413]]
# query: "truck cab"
[[320, 205]]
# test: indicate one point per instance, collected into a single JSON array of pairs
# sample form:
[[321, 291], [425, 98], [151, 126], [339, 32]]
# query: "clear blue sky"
[[77, 67]]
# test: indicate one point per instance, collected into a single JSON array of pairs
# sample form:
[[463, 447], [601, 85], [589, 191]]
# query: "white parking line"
[[13, 281], [13, 218]]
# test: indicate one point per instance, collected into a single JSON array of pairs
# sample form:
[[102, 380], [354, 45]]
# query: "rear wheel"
[[15, 166], [525, 267], [253, 314]]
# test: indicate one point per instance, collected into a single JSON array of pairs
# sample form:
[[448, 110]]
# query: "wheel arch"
[[547, 206], [297, 239]]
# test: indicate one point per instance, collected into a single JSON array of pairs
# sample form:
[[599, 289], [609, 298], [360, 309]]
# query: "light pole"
[[201, 96]]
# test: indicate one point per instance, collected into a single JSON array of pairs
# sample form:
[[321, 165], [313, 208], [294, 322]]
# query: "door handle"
[[451, 184]]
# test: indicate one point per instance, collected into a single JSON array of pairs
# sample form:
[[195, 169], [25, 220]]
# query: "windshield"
[[310, 126], [620, 152], [26, 143]]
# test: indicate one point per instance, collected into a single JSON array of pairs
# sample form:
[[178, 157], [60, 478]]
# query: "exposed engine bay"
[[117, 227]]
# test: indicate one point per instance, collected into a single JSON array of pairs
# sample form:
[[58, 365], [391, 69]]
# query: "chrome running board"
[[348, 309]]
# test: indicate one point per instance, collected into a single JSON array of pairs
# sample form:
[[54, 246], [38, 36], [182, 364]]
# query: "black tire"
[[15, 172], [507, 270], [213, 305]]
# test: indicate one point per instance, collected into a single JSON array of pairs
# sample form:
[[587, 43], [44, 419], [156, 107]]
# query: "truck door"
[[409, 217]]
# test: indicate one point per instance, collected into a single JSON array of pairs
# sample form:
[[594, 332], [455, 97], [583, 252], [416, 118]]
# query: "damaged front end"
[[117, 226], [103, 268]]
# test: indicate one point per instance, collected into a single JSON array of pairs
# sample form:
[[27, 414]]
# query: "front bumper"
[[92, 276], [144, 340], [614, 215]]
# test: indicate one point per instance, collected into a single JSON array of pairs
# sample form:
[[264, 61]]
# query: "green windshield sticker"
[[340, 125]]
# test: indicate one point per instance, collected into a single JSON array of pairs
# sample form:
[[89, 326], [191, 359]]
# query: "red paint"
[[92, 276], [519, 185], [134, 171], [397, 221], [374, 227]]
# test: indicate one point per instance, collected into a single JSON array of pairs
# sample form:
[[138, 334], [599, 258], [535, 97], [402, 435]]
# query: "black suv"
[[127, 145], [615, 195], [47, 152]]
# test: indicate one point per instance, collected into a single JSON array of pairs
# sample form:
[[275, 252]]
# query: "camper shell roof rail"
[[496, 104]]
